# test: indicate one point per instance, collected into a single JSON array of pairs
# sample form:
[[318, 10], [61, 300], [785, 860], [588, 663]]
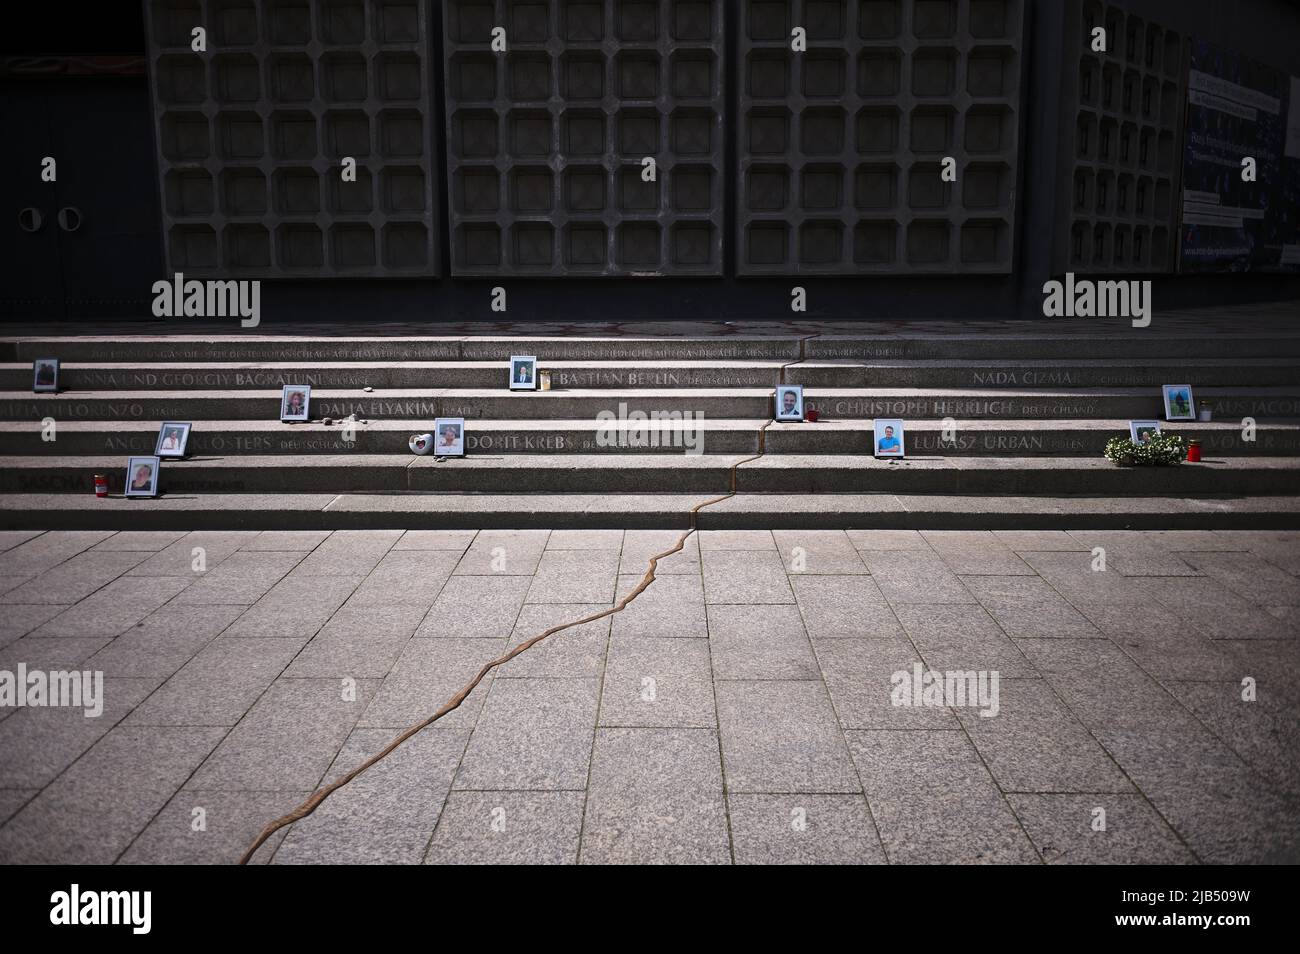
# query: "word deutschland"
[[103, 907], [58, 688]]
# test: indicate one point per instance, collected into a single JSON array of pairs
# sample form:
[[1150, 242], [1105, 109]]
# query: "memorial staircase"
[[1005, 426]]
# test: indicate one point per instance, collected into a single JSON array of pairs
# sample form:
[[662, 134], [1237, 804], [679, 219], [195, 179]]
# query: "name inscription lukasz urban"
[[211, 299]]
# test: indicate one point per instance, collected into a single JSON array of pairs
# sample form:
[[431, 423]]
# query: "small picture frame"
[[449, 437], [1141, 432], [295, 402], [172, 438], [45, 374], [142, 476], [888, 438], [523, 372], [1179, 403], [788, 403]]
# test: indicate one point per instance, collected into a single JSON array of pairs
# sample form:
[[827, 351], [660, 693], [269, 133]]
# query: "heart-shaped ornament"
[[420, 443]]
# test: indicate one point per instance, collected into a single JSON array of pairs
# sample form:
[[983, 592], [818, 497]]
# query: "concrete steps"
[[1031, 406], [141, 375], [416, 511], [753, 403], [979, 438], [662, 473]]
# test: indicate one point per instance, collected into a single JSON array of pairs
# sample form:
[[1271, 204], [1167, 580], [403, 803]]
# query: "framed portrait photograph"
[[523, 372], [172, 438], [1179, 404], [449, 437], [1141, 432], [142, 476], [789, 403], [45, 374], [888, 440], [295, 401]]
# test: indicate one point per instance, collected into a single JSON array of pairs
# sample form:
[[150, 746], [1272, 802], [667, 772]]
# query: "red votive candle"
[[101, 485], [1194, 450]]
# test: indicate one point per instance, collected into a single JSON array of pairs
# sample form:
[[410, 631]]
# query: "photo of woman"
[[142, 477]]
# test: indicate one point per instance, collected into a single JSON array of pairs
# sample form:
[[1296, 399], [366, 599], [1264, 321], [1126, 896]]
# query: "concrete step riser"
[[194, 477], [557, 405], [224, 440], [1034, 346], [220, 378]]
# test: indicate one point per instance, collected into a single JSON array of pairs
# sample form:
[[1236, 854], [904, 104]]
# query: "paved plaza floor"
[[1134, 696]]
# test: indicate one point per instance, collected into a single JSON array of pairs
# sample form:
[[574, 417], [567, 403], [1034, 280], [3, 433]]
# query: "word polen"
[[103, 907]]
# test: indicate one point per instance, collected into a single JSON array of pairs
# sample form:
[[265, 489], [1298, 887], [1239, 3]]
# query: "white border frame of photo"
[[442, 450], [39, 388], [285, 418], [1167, 389], [877, 430], [778, 397], [131, 464], [160, 451], [531, 384], [1135, 426]]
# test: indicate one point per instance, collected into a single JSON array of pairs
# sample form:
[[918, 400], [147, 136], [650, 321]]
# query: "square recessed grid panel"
[[840, 147], [251, 136], [545, 141], [1122, 128]]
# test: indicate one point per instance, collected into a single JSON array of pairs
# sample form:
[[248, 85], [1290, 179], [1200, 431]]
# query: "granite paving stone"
[[915, 576], [575, 652], [116, 608], [823, 552], [760, 642], [655, 797], [533, 734], [844, 607], [745, 576], [92, 813], [506, 552], [508, 828], [672, 606], [476, 607], [782, 737], [655, 682], [1026, 606], [804, 829], [962, 636], [741, 709], [1065, 830], [640, 545], [230, 820]]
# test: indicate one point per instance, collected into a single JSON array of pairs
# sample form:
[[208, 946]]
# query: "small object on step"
[[812, 414], [1207, 412], [327, 421], [1194, 450], [101, 485], [367, 388]]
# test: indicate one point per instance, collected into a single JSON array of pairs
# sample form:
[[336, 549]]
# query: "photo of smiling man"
[[789, 403], [889, 438]]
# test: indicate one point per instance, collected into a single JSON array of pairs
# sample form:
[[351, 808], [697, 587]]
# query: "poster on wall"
[[1238, 108]]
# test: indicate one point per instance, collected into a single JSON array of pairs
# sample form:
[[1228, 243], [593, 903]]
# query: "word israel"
[[632, 429], [1085, 298], [924, 687], [58, 688], [194, 299], [103, 907]]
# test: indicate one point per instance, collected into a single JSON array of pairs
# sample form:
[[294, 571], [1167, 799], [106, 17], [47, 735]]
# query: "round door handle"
[[30, 220], [69, 218]]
